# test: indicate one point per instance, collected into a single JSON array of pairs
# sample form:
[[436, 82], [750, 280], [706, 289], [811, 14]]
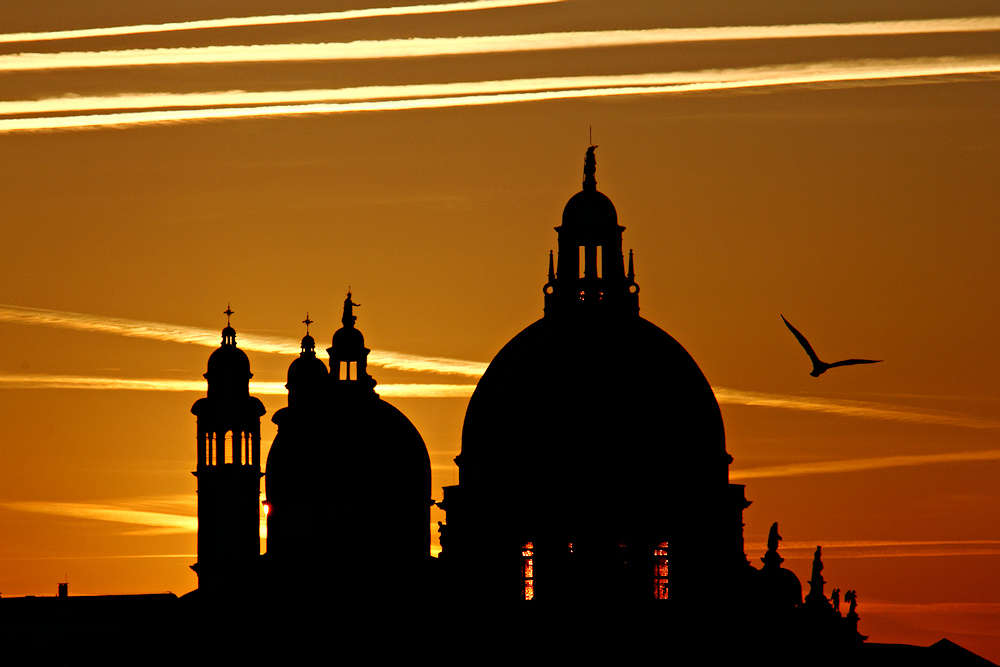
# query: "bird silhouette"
[[820, 367]]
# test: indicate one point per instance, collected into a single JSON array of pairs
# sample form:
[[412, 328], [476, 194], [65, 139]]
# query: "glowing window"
[[661, 586], [527, 571]]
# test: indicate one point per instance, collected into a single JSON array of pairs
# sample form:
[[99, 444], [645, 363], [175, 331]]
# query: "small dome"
[[589, 211], [306, 371], [229, 361], [779, 588], [348, 340]]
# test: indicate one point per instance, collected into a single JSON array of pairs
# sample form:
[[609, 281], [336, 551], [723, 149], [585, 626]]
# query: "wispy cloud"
[[136, 513], [433, 96], [276, 19], [210, 338], [856, 465], [851, 408], [449, 46], [37, 381], [397, 361], [821, 72]]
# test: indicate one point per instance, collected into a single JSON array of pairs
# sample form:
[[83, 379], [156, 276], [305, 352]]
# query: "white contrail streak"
[[817, 73], [397, 361], [30, 381], [419, 47], [851, 408], [158, 523], [279, 19], [855, 465], [765, 75], [176, 333]]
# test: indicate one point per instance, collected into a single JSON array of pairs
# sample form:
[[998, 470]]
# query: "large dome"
[[583, 419]]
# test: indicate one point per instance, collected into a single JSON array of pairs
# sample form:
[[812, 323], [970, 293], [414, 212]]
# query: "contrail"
[[29, 381], [397, 361], [816, 73], [157, 523], [855, 465], [210, 338], [420, 47], [279, 19], [850, 408], [766, 75]]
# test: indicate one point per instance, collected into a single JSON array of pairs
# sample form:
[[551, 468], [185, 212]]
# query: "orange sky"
[[847, 181]]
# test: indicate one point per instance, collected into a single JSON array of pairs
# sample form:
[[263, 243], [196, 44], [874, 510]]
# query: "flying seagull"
[[820, 367]]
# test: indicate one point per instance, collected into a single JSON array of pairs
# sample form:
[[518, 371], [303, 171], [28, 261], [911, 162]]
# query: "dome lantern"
[[590, 275]]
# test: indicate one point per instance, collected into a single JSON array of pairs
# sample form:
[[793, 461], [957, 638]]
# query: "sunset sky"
[[835, 163]]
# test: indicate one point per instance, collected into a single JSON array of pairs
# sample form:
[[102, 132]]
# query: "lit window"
[[661, 586], [527, 571]]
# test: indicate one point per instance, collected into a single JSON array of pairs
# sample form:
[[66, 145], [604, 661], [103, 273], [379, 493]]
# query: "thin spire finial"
[[307, 322], [228, 312]]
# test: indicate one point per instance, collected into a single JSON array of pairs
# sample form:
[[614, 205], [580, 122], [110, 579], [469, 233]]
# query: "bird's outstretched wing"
[[804, 343], [851, 362]]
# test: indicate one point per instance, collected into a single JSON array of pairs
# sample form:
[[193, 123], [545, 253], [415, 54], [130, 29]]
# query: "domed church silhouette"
[[593, 511], [593, 451]]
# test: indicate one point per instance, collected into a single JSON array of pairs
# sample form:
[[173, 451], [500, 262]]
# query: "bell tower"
[[228, 470]]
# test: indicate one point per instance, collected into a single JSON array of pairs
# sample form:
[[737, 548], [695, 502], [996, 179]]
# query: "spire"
[[589, 169], [349, 317], [552, 269], [308, 342], [631, 273], [229, 333]]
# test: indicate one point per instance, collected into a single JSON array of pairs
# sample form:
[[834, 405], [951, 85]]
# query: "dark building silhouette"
[[347, 480], [593, 466], [228, 470]]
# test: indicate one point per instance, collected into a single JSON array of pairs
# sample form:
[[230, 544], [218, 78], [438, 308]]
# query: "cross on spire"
[[307, 322], [228, 312]]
